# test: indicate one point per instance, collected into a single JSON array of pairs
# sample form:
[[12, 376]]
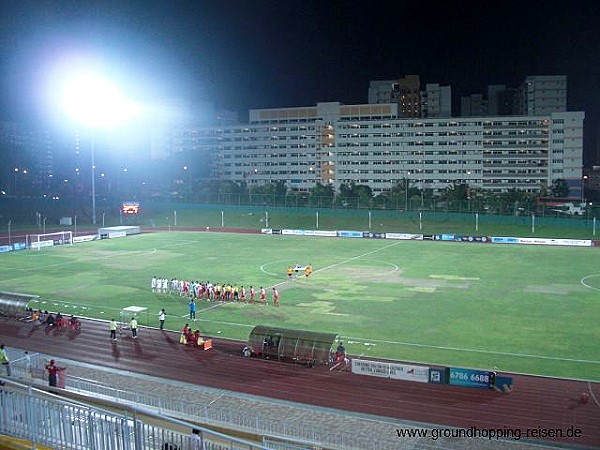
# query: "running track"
[[535, 403]]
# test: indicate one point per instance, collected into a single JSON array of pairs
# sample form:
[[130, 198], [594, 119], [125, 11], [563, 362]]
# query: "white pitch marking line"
[[583, 282], [331, 266]]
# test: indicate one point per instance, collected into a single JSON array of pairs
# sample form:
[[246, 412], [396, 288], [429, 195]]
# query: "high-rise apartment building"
[[474, 105], [406, 92], [436, 101], [541, 95], [27, 161], [331, 143], [536, 96]]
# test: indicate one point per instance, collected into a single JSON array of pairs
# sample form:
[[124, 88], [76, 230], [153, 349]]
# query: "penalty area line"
[[474, 350]]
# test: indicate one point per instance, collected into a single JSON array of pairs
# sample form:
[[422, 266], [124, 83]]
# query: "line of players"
[[212, 292]]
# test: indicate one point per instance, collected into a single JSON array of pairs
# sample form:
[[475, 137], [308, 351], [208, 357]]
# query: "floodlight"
[[95, 102]]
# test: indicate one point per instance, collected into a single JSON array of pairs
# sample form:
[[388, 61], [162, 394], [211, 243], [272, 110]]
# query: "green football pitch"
[[527, 309]]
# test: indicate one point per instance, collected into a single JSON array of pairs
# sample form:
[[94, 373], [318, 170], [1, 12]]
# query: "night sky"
[[244, 54]]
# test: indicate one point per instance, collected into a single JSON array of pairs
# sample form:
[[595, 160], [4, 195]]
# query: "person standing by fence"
[[161, 318], [112, 326], [4, 360], [53, 370], [134, 326], [27, 360], [195, 441]]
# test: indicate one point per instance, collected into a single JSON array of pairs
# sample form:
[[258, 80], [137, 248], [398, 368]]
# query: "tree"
[[364, 194], [456, 191], [322, 195], [346, 196], [515, 200], [269, 193], [560, 188], [355, 196]]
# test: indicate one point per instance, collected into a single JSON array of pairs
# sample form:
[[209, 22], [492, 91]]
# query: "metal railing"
[[233, 412], [43, 418]]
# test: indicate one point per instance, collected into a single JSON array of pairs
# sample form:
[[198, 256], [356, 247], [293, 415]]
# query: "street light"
[[584, 179], [188, 182], [93, 151], [95, 102], [406, 191], [15, 183], [24, 172]]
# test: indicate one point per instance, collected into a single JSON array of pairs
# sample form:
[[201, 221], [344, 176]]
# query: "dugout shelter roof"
[[284, 344], [15, 305]]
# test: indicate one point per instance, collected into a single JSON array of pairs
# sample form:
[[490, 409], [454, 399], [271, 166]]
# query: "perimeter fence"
[[18, 220]]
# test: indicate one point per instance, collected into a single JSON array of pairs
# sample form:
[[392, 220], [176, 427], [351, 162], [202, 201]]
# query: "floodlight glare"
[[95, 102], [80, 87]]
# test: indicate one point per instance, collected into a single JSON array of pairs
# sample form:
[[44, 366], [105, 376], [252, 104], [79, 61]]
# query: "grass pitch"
[[525, 309]]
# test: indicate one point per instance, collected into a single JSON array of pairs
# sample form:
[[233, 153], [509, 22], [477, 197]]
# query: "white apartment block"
[[542, 95], [331, 143], [436, 101], [381, 91]]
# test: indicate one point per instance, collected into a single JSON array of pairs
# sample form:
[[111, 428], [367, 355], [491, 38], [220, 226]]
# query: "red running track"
[[536, 403]]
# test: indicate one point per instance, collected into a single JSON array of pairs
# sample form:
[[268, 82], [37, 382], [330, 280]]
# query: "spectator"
[[195, 441], [185, 334], [112, 326], [134, 326], [50, 320], [4, 360], [59, 320], [340, 353], [27, 359], [161, 318], [53, 370], [192, 338]]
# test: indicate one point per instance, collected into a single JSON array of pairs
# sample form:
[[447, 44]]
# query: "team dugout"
[[282, 344], [15, 305]]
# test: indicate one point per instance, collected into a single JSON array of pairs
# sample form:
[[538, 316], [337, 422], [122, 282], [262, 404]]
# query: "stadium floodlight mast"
[[95, 102]]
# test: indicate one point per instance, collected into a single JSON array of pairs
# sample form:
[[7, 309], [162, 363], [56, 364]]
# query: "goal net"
[[38, 241]]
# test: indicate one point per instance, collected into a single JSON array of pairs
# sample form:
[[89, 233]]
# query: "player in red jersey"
[[263, 295]]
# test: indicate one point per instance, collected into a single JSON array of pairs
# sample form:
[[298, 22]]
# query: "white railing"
[[258, 418], [43, 418]]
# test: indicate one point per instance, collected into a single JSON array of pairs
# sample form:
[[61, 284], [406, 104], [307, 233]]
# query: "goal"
[[49, 239]]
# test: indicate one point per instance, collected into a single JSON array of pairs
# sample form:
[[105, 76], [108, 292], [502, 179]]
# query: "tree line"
[[402, 196]]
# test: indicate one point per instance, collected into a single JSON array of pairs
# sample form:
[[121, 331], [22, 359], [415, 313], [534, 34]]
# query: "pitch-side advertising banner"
[[541, 241], [395, 371], [350, 234], [406, 372], [404, 236], [88, 238], [371, 368], [41, 244]]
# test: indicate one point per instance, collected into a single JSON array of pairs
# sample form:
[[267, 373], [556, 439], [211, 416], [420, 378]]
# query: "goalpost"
[[49, 239]]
